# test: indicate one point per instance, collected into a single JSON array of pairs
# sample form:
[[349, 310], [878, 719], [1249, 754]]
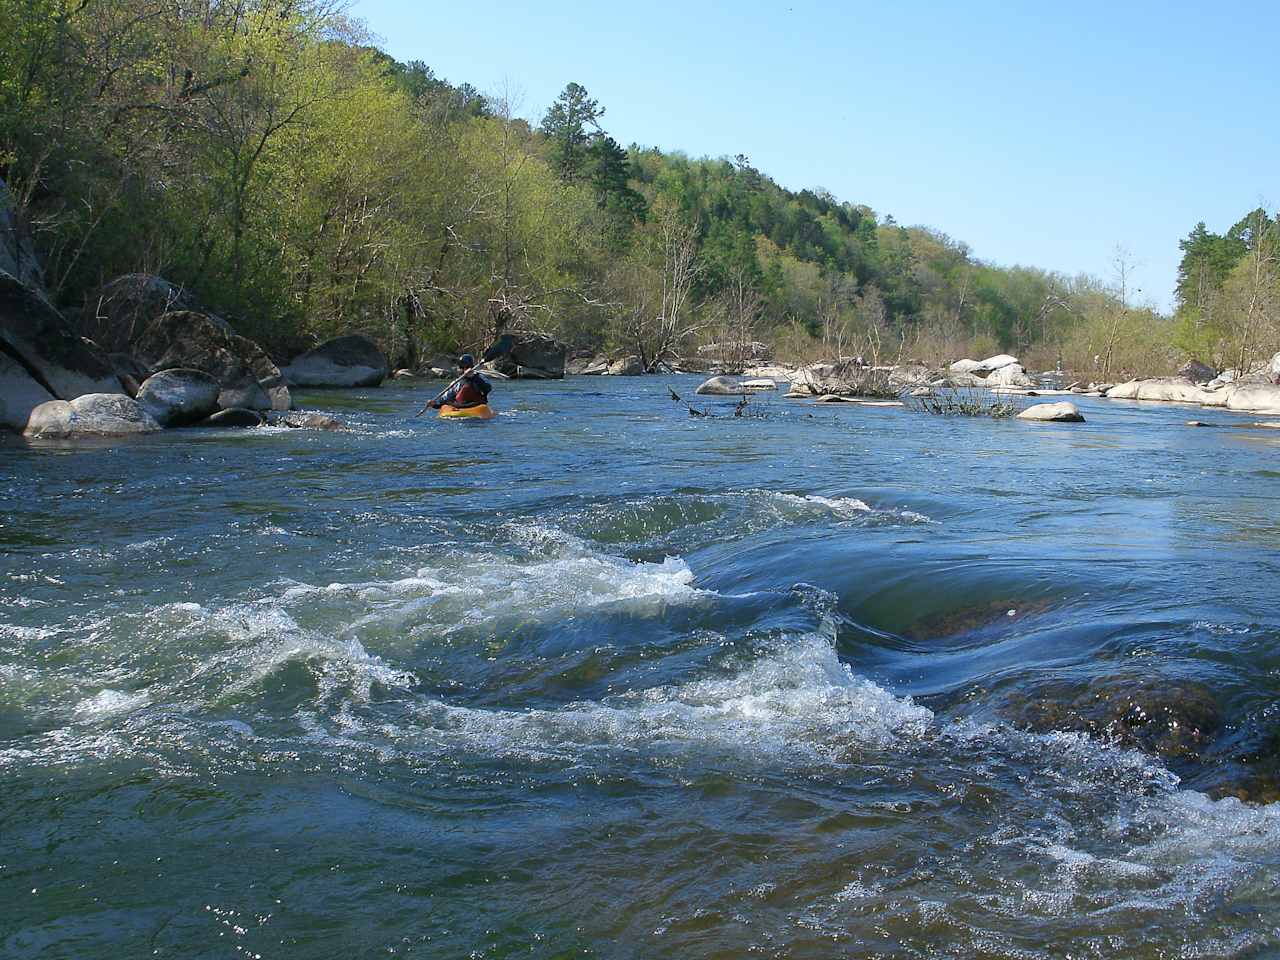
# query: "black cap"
[[466, 361]]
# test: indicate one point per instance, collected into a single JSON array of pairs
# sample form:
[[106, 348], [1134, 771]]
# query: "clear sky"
[[1036, 135]]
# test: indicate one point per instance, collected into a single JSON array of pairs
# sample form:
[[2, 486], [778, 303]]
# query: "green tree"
[[567, 125]]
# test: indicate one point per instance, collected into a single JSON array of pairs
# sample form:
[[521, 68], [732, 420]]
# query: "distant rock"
[[1197, 372], [910, 375], [233, 417], [625, 367], [592, 366], [19, 394], [534, 356], [1254, 398], [179, 397], [404, 374], [351, 361], [965, 366], [772, 371], [90, 415], [1010, 375], [1167, 389], [37, 336], [966, 380], [724, 387], [1052, 413]]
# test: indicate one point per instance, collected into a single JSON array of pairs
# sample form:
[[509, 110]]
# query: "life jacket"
[[469, 394]]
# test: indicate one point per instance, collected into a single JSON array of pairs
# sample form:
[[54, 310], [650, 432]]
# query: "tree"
[[566, 126]]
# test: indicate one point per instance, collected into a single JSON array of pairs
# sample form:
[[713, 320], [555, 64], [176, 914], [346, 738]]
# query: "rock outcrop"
[[535, 356], [351, 361], [175, 398], [1197, 372], [1168, 389], [1052, 413], [625, 367], [200, 341], [19, 394], [35, 335], [1254, 398], [90, 415]]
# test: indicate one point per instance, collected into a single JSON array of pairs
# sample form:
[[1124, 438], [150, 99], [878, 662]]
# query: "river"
[[601, 679]]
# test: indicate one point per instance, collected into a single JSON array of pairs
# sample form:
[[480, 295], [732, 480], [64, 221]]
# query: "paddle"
[[499, 347]]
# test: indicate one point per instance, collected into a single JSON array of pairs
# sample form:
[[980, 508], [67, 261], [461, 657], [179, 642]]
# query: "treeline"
[[267, 157]]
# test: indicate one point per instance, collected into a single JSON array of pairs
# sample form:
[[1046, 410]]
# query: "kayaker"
[[471, 390]]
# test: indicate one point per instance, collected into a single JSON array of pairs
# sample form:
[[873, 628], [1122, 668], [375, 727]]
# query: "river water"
[[599, 679]]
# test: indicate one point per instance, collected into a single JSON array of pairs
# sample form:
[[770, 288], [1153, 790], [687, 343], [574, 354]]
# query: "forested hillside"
[[266, 156]]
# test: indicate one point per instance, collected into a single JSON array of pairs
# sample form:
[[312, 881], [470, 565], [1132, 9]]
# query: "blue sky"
[[1037, 136]]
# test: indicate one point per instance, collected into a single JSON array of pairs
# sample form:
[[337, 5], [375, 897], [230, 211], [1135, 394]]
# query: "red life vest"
[[467, 395]]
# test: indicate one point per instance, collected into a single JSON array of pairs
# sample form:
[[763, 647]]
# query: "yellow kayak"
[[482, 412]]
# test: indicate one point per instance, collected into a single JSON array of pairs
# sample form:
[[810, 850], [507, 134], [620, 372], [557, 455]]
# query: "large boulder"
[[723, 387], [120, 311], [1052, 413], [966, 366], [19, 394], [1254, 398], [1010, 375], [534, 356], [17, 255], [90, 415], [200, 341], [351, 361], [1167, 389], [1197, 372], [179, 397], [625, 367], [992, 364], [587, 366], [36, 335]]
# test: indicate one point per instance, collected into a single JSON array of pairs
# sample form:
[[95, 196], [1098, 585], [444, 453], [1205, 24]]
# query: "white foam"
[[108, 702], [800, 705]]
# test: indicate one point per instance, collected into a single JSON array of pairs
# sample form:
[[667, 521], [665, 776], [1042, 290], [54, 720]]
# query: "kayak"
[[482, 412]]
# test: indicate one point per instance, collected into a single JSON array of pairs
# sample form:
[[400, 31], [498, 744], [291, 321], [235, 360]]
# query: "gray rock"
[[966, 366], [120, 312], [1010, 375], [1052, 413], [34, 333], [1167, 389], [534, 356], [1197, 372], [234, 417], [19, 394], [179, 397], [910, 375], [722, 387], [625, 367], [1254, 398], [198, 341], [90, 415], [304, 421], [17, 255], [351, 361]]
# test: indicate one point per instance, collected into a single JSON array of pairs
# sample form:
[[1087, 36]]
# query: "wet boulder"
[[300, 420], [1167, 717], [19, 394], [1052, 413], [198, 341], [179, 397], [533, 356], [350, 361], [34, 334], [90, 415]]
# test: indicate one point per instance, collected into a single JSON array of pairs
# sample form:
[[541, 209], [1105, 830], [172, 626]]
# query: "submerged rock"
[[304, 421], [350, 361], [1063, 412], [91, 415], [178, 397]]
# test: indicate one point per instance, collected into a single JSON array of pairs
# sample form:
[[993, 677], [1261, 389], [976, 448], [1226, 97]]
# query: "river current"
[[601, 679]]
